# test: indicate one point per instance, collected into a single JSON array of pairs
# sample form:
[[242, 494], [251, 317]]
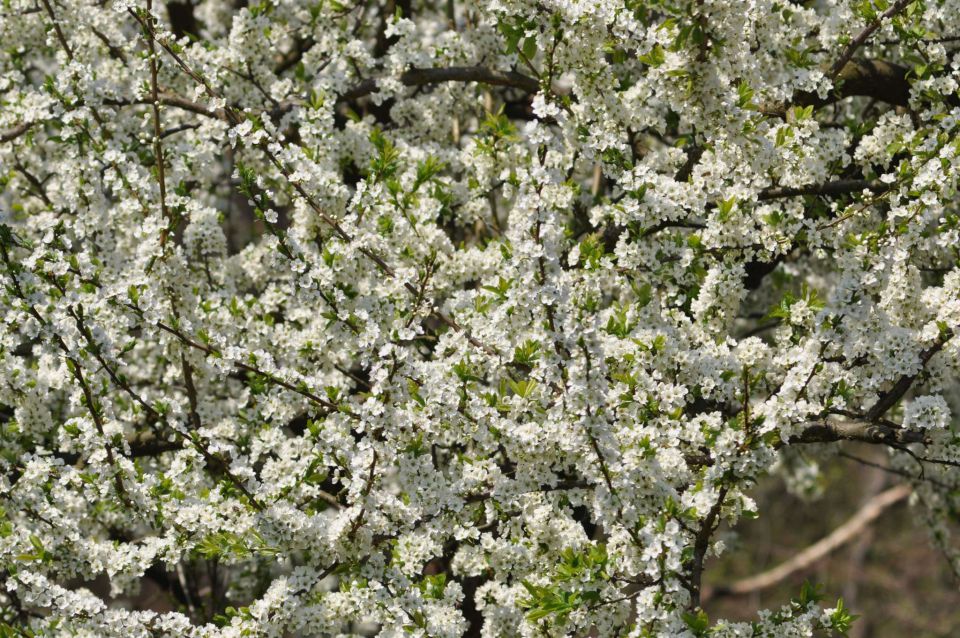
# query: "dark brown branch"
[[897, 472], [702, 544], [14, 132], [56, 27], [178, 129], [294, 58], [115, 52], [837, 187], [877, 79], [420, 77], [890, 398], [143, 445], [929, 459], [168, 99], [92, 407], [829, 431]]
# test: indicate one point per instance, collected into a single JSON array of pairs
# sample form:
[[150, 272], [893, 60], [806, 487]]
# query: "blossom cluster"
[[462, 318]]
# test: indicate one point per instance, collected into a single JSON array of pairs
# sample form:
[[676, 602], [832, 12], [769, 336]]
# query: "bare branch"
[[877, 79], [142, 445], [14, 132], [829, 431], [898, 472], [838, 187], [420, 77], [825, 546]]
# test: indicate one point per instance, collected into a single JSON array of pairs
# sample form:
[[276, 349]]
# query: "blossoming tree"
[[446, 318]]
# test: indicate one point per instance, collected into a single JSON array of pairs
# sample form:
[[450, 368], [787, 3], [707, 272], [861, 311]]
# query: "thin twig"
[[157, 135]]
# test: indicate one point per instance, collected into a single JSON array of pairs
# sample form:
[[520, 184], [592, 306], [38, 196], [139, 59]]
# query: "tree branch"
[[864, 35], [169, 99], [142, 445], [163, 97], [828, 544], [837, 187], [420, 77], [701, 545], [828, 431], [890, 398], [14, 132], [878, 79]]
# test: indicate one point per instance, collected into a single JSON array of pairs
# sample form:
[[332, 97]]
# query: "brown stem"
[[90, 402], [157, 134], [57, 29], [702, 544]]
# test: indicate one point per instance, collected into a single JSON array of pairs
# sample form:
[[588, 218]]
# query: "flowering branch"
[[861, 38]]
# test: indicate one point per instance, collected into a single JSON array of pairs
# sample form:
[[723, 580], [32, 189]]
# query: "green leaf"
[[810, 593], [783, 133], [799, 113], [387, 161], [528, 353], [841, 620], [433, 586], [656, 57], [745, 96], [644, 294], [529, 49], [699, 622], [523, 388], [725, 208]]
